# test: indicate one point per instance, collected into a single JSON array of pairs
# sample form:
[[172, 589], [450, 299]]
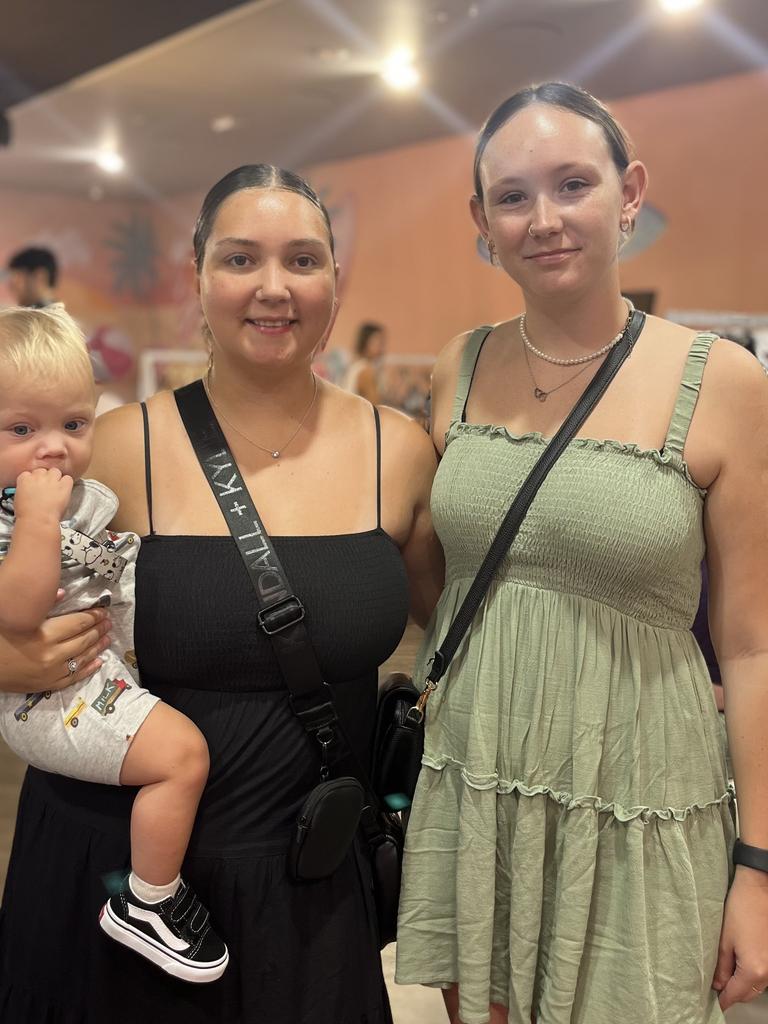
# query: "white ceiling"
[[300, 78]]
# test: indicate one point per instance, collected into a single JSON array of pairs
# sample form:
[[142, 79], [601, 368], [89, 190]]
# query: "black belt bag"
[[337, 808], [325, 828]]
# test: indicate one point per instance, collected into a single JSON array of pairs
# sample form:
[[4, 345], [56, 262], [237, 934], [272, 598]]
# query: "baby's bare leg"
[[168, 758]]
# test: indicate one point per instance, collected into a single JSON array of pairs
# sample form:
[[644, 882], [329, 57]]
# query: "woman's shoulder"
[[734, 392], [726, 365], [118, 459], [403, 433]]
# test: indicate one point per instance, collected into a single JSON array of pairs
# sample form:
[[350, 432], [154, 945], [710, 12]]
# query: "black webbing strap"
[[519, 507], [281, 613]]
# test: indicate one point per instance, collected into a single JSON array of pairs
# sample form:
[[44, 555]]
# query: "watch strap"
[[750, 856]]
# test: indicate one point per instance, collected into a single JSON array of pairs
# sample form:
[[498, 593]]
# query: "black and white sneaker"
[[175, 934]]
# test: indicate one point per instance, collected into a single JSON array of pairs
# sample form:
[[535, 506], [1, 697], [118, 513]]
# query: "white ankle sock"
[[152, 893]]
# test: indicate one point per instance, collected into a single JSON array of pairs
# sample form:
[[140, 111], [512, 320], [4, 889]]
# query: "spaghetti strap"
[[688, 395], [469, 357], [148, 467], [377, 421]]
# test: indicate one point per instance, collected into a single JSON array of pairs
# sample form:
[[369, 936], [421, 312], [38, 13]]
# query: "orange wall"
[[413, 261], [706, 147], [407, 245]]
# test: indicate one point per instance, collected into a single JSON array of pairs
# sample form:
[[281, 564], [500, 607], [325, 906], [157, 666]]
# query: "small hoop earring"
[[491, 251]]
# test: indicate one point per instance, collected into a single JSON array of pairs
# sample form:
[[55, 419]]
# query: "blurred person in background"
[[32, 275], [363, 374]]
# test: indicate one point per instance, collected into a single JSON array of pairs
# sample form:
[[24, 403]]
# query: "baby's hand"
[[42, 493]]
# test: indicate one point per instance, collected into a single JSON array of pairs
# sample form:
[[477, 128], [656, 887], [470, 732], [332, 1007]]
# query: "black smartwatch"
[[750, 856]]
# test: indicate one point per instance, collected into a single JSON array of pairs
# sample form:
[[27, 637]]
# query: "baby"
[[55, 548]]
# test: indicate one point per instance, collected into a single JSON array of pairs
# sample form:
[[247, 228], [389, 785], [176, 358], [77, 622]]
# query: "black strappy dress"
[[300, 953]]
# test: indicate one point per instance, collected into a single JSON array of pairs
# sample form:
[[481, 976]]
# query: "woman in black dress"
[[344, 490]]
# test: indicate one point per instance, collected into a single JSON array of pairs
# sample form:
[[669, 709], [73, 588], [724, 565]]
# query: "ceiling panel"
[[45, 43], [300, 79]]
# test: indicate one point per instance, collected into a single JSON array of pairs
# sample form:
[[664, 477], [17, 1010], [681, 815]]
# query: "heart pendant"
[[541, 395]]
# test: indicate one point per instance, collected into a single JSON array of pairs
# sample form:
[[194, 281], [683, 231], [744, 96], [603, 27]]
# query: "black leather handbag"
[[400, 729], [397, 749], [346, 805]]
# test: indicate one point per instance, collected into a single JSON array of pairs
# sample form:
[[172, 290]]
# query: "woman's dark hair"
[[567, 97], [250, 176], [365, 332]]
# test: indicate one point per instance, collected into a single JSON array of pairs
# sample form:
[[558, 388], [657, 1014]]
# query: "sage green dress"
[[569, 845]]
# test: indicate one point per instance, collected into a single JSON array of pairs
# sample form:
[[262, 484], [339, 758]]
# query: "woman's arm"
[[408, 469], [36, 661], [118, 463], [422, 552], [736, 521], [444, 383]]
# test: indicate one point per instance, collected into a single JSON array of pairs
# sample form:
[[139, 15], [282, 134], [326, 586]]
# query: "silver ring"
[[530, 231], [71, 666]]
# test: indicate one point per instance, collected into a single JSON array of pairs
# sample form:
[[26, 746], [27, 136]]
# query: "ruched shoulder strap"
[[469, 358], [688, 395]]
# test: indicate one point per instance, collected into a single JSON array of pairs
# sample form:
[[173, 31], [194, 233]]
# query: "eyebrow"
[[251, 243], [560, 169]]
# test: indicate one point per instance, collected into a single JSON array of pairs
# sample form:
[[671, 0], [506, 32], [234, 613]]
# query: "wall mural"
[[135, 256]]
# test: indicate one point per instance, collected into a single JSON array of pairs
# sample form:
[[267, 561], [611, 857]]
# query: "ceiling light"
[[225, 123], [398, 71], [678, 6], [110, 161]]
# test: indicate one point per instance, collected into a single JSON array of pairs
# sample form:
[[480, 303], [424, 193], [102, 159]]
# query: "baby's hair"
[[44, 344]]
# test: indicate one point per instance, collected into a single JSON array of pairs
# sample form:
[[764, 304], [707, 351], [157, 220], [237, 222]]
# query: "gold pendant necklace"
[[540, 393], [274, 452]]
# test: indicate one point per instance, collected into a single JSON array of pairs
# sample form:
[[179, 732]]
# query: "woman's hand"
[[40, 660], [742, 964]]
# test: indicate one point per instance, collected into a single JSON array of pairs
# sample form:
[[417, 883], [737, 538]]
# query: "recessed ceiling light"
[[678, 6], [399, 71], [110, 161], [225, 123]]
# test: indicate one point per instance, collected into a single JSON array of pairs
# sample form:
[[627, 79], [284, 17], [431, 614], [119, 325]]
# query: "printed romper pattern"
[[84, 730]]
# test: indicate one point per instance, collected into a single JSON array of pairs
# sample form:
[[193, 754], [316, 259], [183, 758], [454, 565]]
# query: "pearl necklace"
[[276, 452], [580, 359]]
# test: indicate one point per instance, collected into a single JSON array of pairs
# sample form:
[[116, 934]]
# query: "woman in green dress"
[[569, 854]]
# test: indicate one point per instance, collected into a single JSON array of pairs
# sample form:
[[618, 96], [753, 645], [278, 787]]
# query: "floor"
[[410, 1004]]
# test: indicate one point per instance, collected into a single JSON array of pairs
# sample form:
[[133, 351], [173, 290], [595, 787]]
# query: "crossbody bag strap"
[[519, 507], [281, 613]]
